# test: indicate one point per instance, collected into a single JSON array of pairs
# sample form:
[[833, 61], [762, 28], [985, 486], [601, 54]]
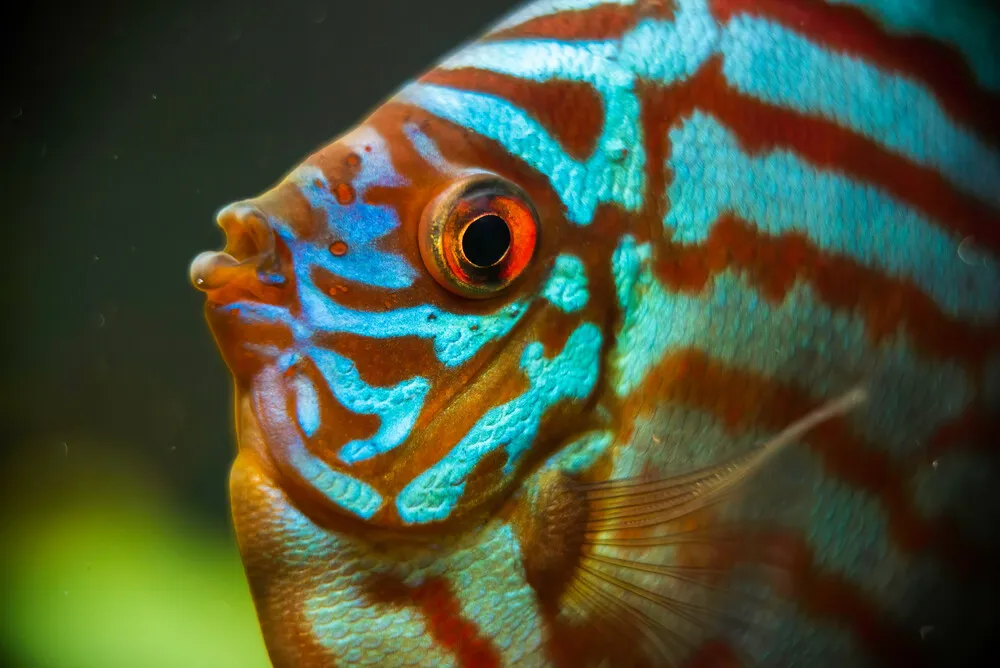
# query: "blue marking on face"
[[358, 224], [340, 489], [572, 374], [613, 173], [426, 147], [397, 407], [306, 405], [567, 286], [457, 337], [780, 193]]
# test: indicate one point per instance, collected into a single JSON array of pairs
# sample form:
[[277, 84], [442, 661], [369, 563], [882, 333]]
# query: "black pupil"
[[486, 241]]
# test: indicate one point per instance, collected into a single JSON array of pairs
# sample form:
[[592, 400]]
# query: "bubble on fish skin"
[[969, 252]]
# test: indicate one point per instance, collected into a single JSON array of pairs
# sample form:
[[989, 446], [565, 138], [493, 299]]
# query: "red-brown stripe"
[[442, 614], [600, 22], [739, 398], [572, 112], [824, 595], [762, 127], [975, 429], [713, 654], [850, 30], [775, 263]]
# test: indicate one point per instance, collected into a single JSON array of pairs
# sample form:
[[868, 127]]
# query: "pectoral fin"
[[647, 572]]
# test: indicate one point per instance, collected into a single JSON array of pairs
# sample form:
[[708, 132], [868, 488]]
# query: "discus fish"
[[634, 333]]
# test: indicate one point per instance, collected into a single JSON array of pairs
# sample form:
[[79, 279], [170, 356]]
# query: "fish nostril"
[[249, 253], [248, 234]]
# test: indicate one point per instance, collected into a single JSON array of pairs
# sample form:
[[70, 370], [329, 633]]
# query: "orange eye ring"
[[479, 235]]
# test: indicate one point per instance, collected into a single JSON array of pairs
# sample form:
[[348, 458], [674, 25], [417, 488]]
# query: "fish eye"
[[478, 235]]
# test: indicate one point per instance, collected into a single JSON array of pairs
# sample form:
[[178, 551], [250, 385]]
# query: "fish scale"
[[744, 210]]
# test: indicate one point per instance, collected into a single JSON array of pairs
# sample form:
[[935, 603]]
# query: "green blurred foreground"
[[114, 578]]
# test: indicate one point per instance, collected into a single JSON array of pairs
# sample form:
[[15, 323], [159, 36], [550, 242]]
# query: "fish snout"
[[249, 257]]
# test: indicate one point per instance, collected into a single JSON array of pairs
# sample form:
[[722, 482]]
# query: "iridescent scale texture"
[[746, 207]]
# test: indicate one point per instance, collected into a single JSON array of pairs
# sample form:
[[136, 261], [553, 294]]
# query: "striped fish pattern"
[[622, 427]]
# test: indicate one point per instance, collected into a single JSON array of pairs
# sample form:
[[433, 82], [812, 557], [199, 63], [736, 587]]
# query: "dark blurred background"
[[123, 128]]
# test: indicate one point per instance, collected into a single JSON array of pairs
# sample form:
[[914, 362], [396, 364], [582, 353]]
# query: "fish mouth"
[[249, 255]]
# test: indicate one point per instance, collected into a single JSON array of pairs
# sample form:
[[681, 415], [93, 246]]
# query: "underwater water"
[[123, 129]]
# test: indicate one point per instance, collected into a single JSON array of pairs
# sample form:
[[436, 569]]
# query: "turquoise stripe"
[[344, 491], [613, 173], [433, 495], [800, 342], [971, 27], [780, 193], [771, 63]]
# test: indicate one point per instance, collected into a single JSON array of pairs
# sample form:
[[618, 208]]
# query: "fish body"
[[544, 362]]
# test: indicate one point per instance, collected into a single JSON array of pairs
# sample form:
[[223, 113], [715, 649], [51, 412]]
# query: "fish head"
[[412, 321]]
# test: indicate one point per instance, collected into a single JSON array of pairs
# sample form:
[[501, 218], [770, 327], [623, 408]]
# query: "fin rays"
[[659, 572]]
